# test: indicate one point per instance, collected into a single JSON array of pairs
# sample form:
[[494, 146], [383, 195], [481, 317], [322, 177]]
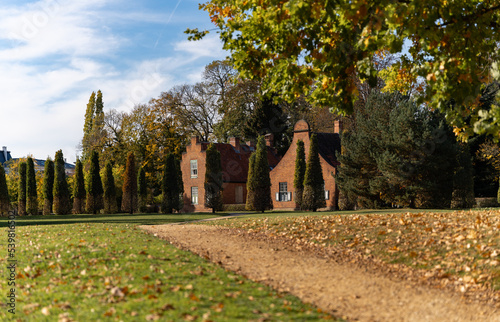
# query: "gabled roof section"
[[4, 155], [328, 145]]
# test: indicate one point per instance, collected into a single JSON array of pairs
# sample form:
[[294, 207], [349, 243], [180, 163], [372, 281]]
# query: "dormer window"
[[194, 168]]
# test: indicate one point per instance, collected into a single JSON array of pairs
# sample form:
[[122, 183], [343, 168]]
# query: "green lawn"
[[91, 268]]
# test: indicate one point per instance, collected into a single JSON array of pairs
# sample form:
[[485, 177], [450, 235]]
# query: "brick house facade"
[[282, 176], [234, 161]]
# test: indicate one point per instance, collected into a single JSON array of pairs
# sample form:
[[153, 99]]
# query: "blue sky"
[[54, 53]]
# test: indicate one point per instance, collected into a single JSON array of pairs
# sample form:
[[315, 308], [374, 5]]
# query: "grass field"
[[450, 246], [100, 268]]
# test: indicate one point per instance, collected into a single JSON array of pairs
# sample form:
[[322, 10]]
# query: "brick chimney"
[[338, 127], [235, 142], [195, 140], [269, 139]]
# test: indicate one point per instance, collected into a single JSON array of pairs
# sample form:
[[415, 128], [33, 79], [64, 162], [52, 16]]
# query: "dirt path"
[[341, 289]]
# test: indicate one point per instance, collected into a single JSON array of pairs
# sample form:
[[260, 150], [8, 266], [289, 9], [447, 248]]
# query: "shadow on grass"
[[135, 219]]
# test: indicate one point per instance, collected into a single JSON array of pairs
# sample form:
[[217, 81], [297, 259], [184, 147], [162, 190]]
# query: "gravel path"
[[341, 289]]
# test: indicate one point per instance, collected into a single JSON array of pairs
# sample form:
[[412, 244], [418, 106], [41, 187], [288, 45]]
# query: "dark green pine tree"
[[61, 205], [261, 181], [463, 180], [170, 185], [180, 185], [213, 179], [31, 192], [250, 183], [268, 118], [300, 171], [129, 200], [94, 185], [110, 205], [142, 190], [313, 196], [4, 193], [48, 186], [21, 190], [79, 193]]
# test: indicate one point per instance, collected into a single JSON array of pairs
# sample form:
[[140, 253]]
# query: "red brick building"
[[283, 174], [234, 162]]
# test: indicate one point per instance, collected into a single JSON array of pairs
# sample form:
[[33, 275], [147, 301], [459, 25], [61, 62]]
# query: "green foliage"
[[94, 135], [61, 205], [79, 192], [31, 192], [463, 180], [142, 189], [110, 205], [48, 186], [300, 171], [397, 153], [129, 199], [251, 183], [313, 196], [21, 196], [94, 185], [170, 185], [213, 179], [4, 193], [259, 182], [296, 46]]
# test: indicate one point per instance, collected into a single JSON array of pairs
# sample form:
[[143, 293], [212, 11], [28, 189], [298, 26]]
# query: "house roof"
[[328, 145], [5, 156], [235, 163]]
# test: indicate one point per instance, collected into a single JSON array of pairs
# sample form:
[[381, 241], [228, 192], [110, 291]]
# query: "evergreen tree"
[[48, 187], [170, 185], [94, 185], [79, 192], [261, 182], [180, 185], [61, 205], [250, 183], [129, 200], [142, 189], [87, 127], [21, 191], [110, 206], [31, 192], [313, 196], [213, 179], [300, 171], [268, 118], [463, 180], [4, 193]]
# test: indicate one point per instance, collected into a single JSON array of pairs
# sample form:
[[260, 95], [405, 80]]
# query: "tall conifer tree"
[[142, 189], [170, 185], [313, 196], [79, 192], [463, 180], [31, 192], [4, 193], [213, 179], [21, 190], [129, 200], [94, 185], [110, 206], [61, 193], [250, 183], [300, 171], [261, 182], [48, 186]]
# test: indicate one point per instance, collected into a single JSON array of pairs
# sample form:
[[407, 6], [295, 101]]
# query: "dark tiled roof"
[[329, 144], [235, 164], [2, 157]]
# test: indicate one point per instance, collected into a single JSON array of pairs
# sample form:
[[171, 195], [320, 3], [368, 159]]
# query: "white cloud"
[[54, 53]]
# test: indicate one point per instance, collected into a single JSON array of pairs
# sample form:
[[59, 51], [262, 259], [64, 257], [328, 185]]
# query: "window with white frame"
[[194, 195], [327, 193], [194, 168], [283, 194]]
